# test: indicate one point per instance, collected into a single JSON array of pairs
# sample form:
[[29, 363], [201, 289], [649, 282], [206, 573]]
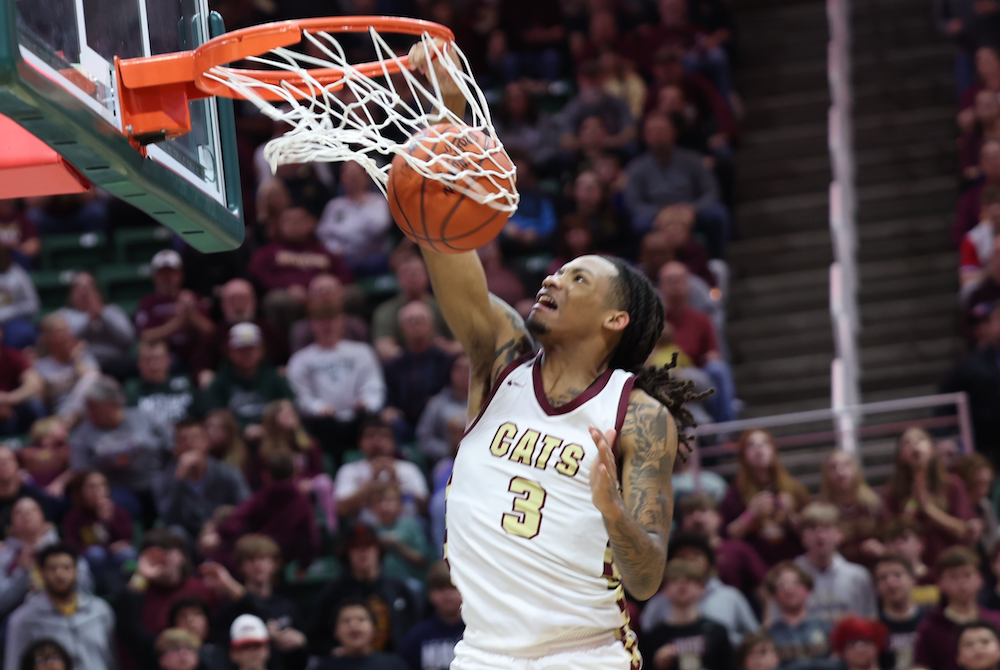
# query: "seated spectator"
[[19, 303], [46, 457], [430, 645], [335, 380], [420, 371], [13, 488], [592, 100], [364, 579], [800, 639], [355, 225], [984, 124], [756, 652], [668, 175], [452, 402], [163, 576], [19, 234], [899, 614], [279, 510], [177, 649], [703, 52], [107, 329], [694, 334], [859, 642], [975, 374], [225, 440], [978, 646], [622, 81], [249, 644], [703, 120], [172, 313], [355, 482], [977, 304], [70, 213], [122, 443], [245, 382], [717, 601], [531, 227], [326, 294], [258, 561], [45, 654], [239, 305], [525, 129], [968, 212], [414, 285], [532, 33], [689, 477], [98, 529], [29, 534], [192, 615], [685, 638], [987, 79], [978, 476], [355, 633], [977, 244], [839, 587], [402, 539], [606, 226], [162, 396], [736, 563], [921, 489], [21, 392], [81, 623], [858, 506], [440, 477], [902, 537], [959, 579], [283, 269], [194, 484], [671, 240], [68, 369]]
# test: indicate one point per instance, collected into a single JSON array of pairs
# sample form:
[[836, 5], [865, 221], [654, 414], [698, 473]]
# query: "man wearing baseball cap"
[[249, 643], [171, 313], [245, 383]]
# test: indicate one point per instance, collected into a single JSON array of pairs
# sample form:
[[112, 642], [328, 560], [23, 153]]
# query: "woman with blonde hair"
[[761, 507], [861, 511], [225, 440], [921, 489]]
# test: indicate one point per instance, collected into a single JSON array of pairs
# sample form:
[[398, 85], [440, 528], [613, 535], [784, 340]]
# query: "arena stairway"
[[779, 328]]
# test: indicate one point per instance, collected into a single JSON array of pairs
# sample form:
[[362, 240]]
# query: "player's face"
[[978, 649], [573, 302]]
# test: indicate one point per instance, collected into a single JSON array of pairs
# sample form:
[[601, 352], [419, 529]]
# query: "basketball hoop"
[[337, 111]]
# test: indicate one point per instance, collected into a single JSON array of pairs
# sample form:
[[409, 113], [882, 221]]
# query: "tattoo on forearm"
[[638, 540], [518, 345]]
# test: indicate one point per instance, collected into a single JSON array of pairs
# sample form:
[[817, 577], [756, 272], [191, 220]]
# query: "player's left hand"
[[604, 475]]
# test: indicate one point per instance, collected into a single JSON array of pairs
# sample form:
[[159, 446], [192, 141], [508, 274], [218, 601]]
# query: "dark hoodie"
[[937, 639]]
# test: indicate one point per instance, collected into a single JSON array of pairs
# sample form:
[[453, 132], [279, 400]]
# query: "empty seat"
[[52, 287], [74, 251], [138, 245], [125, 282]]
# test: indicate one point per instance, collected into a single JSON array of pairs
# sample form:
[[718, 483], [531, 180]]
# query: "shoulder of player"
[[648, 427]]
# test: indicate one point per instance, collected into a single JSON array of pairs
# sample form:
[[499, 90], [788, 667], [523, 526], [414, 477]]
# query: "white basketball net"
[[355, 117]]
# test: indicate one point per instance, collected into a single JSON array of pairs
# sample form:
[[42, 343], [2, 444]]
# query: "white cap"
[[244, 335], [168, 258], [248, 629]]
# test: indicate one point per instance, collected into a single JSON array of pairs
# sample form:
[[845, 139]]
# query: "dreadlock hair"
[[634, 293]]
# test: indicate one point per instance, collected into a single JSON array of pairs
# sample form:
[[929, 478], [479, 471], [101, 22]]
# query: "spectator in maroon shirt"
[[98, 529], [861, 511], [762, 505], [21, 390], [736, 562], [671, 240], [694, 334], [923, 490], [239, 305], [937, 635], [283, 269], [969, 203], [985, 125], [171, 313]]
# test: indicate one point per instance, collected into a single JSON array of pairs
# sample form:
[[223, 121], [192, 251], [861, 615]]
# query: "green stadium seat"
[[379, 288], [138, 245], [351, 456], [52, 287], [124, 282], [73, 251]]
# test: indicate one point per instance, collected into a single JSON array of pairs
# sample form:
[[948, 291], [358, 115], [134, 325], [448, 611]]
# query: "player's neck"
[[568, 371]]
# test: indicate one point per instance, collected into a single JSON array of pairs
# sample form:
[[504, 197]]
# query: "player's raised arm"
[[638, 516]]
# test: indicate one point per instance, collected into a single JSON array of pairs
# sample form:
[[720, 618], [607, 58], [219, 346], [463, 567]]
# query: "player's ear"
[[617, 320]]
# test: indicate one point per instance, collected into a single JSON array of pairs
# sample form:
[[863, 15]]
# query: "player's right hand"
[[421, 52]]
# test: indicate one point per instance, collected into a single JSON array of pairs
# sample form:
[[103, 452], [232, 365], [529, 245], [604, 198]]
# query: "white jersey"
[[527, 547]]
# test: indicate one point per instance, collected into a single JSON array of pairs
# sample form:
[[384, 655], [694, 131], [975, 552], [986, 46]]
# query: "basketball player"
[[542, 531]]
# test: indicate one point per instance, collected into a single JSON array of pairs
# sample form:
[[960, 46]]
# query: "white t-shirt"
[[355, 229], [336, 379], [351, 477]]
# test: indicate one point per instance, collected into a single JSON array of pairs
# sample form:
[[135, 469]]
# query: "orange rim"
[[192, 66]]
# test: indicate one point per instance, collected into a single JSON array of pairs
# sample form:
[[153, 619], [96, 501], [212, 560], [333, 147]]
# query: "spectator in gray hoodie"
[[81, 623], [451, 403]]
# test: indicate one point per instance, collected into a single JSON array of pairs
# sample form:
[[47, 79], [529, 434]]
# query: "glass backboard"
[[60, 55]]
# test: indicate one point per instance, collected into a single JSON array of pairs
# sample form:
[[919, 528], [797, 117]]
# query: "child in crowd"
[[686, 639], [937, 635], [903, 537], [800, 639], [858, 642], [756, 652], [430, 645], [976, 472], [860, 508], [404, 543], [177, 649], [354, 630], [249, 643], [98, 529], [979, 646], [894, 580]]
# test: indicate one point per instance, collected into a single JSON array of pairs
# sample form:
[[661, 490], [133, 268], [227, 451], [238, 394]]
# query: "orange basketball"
[[433, 213]]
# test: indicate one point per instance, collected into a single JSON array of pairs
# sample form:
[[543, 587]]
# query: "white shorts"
[[608, 657]]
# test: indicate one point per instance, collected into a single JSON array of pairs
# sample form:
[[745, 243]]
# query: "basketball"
[[435, 214]]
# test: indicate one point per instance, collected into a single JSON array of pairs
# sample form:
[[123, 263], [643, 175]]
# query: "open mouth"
[[545, 303]]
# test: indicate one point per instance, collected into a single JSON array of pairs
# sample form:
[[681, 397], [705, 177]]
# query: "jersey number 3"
[[526, 517]]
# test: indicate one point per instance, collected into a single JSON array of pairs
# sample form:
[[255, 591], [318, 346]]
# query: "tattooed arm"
[[490, 331], [638, 515]]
